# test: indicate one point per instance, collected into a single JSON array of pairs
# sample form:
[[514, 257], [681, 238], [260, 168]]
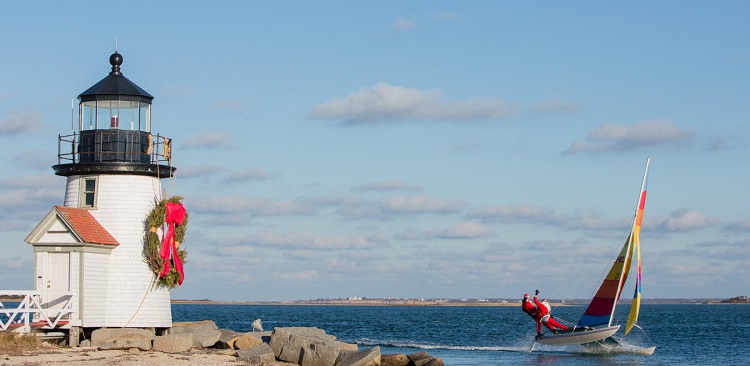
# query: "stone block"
[[417, 356], [260, 354], [396, 359], [127, 341], [304, 346], [346, 346], [226, 336], [317, 353], [102, 335], [367, 357], [173, 343], [264, 336], [435, 362], [424, 361], [205, 333], [244, 341]]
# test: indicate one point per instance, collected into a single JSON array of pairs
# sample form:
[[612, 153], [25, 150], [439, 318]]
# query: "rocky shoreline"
[[203, 343]]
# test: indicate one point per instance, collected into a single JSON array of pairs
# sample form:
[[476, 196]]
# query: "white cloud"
[[247, 175], [198, 171], [309, 241], [403, 24], [462, 230], [18, 123], [683, 220], [254, 207], [513, 213], [207, 140], [385, 185], [301, 275], [610, 137], [738, 226], [384, 102], [420, 204]]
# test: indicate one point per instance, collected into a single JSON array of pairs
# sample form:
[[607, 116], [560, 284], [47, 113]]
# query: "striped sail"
[[636, 304], [602, 307]]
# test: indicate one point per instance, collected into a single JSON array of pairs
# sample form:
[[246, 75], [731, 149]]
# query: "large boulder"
[[435, 362], [419, 358], [244, 341], [396, 359], [225, 336], [173, 343], [127, 341], [368, 357], [122, 338], [304, 346], [346, 346], [264, 336], [260, 354], [205, 333]]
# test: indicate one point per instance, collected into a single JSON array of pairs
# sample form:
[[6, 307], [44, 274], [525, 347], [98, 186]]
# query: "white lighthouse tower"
[[93, 245]]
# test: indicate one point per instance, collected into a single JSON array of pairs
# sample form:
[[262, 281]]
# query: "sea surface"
[[694, 334]]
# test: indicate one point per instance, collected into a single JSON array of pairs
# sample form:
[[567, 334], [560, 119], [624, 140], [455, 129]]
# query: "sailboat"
[[595, 327]]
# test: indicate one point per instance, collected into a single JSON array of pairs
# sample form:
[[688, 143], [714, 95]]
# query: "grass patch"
[[14, 344]]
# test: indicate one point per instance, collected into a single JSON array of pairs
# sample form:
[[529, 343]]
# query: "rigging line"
[[644, 333]]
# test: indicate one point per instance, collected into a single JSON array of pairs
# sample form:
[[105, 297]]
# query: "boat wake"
[[620, 349], [427, 346], [520, 347]]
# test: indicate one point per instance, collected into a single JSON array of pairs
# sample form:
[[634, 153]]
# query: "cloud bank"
[[610, 137], [388, 103]]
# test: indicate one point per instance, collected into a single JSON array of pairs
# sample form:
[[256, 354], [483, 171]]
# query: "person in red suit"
[[545, 317], [529, 308]]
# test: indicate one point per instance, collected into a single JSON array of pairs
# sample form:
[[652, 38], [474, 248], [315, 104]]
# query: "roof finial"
[[115, 44], [115, 60]]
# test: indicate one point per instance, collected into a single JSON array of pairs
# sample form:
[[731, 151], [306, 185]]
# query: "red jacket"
[[530, 309]]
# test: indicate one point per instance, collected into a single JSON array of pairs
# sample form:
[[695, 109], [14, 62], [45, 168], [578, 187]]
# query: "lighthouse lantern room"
[[93, 245]]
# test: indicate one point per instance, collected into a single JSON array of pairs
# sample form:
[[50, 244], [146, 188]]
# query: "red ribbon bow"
[[175, 215]]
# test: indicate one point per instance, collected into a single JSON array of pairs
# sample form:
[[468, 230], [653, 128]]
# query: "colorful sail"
[[636, 303], [602, 307]]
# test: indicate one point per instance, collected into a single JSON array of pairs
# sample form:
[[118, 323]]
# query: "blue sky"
[[407, 149]]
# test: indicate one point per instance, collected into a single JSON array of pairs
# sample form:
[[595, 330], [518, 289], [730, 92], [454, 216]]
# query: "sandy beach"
[[90, 356]]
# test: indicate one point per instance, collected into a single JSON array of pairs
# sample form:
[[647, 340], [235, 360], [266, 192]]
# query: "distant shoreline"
[[413, 302], [420, 302]]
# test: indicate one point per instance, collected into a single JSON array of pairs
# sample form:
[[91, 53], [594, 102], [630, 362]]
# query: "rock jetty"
[[304, 346]]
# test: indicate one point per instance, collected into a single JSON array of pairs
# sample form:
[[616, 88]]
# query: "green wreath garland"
[[155, 220]]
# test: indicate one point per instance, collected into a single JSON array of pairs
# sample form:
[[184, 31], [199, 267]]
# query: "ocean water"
[[683, 334]]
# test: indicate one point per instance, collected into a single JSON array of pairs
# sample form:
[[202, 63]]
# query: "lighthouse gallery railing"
[[114, 145]]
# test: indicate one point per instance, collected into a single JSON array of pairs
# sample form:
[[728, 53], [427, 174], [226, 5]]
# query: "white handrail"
[[47, 308]]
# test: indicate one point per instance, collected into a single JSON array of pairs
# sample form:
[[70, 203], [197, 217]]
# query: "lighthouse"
[[93, 244]]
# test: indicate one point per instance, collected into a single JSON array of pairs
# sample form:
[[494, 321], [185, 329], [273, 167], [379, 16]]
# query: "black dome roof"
[[116, 86]]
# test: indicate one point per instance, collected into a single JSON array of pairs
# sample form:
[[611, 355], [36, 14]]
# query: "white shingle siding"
[[117, 287]]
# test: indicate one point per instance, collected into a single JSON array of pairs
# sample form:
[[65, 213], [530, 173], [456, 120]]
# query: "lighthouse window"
[[88, 192]]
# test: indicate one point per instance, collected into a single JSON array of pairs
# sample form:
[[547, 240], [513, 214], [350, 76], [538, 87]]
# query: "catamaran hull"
[[586, 336]]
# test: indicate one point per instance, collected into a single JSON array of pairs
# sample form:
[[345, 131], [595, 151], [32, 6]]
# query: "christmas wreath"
[[164, 257]]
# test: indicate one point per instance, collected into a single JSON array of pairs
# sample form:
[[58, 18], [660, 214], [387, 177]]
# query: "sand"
[[89, 356]]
